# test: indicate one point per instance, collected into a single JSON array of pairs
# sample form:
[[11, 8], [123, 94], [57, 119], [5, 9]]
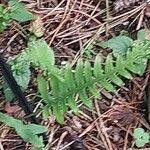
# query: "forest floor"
[[69, 26]]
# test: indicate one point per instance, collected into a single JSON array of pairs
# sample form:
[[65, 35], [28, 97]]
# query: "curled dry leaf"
[[12, 109], [122, 115], [37, 26]]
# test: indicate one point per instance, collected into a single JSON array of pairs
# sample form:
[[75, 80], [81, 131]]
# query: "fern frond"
[[86, 80]]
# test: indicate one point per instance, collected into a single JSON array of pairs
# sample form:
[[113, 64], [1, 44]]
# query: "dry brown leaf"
[[122, 115], [12, 109]]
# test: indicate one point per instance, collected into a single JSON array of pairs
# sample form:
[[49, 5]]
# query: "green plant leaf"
[[5, 18], [41, 54], [138, 133], [9, 95], [139, 143], [87, 71], [110, 71], [73, 105], [36, 129], [69, 78], [21, 72], [45, 112], [27, 135], [146, 137], [84, 98], [94, 91], [120, 67], [43, 89], [141, 35], [19, 12], [87, 78], [27, 132], [58, 113], [98, 73], [119, 44], [79, 73]]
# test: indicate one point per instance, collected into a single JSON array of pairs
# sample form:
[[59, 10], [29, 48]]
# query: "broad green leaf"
[[27, 132], [10, 121], [36, 129], [29, 136], [19, 12], [21, 72], [20, 68], [119, 45]]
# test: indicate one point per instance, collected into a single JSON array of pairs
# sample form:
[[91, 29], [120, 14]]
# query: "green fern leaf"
[[93, 89], [120, 67], [63, 89], [43, 89], [100, 77], [87, 71], [54, 82], [84, 98], [110, 71], [69, 78], [79, 73], [58, 111], [73, 105]]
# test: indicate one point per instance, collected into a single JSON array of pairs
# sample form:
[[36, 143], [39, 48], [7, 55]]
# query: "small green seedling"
[[141, 137]]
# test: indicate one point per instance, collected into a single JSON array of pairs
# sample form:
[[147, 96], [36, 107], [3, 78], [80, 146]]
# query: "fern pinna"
[[59, 87]]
